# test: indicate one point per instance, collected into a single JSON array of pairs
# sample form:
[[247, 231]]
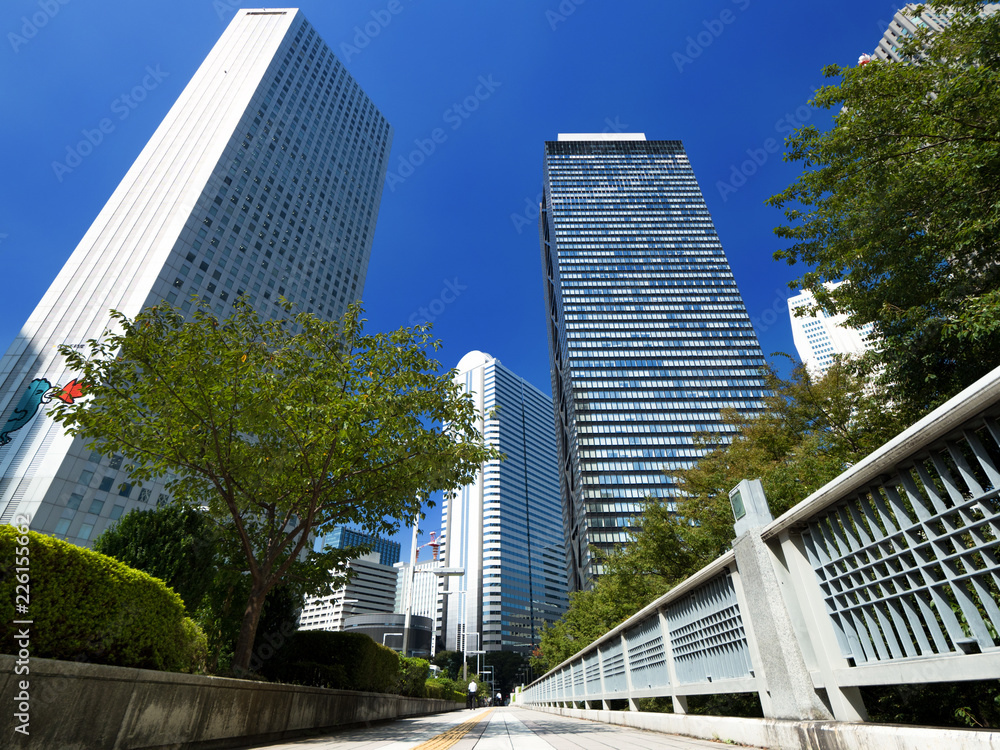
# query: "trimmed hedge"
[[446, 689], [89, 607], [346, 661]]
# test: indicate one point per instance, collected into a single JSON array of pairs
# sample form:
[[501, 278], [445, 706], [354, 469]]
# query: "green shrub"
[[89, 607], [446, 689], [348, 661], [412, 677]]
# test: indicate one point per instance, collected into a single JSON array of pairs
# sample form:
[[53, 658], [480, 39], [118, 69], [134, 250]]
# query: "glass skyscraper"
[[505, 528], [264, 179], [648, 335], [341, 537]]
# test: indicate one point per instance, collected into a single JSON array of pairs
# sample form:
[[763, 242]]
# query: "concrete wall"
[[73, 705], [778, 734]]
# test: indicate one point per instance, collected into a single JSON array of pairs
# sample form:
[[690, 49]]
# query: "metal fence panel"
[[613, 660], [647, 658], [908, 566], [707, 635]]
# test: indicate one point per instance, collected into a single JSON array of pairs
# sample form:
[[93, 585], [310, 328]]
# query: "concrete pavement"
[[504, 728]]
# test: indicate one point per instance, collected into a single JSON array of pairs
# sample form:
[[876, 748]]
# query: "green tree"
[[810, 432], [277, 433], [506, 665], [186, 549], [173, 543], [899, 198], [450, 663]]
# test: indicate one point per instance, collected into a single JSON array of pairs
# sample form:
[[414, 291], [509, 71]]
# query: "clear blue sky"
[[723, 76]]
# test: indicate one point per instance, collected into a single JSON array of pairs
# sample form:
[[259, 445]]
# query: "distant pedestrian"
[[471, 701]]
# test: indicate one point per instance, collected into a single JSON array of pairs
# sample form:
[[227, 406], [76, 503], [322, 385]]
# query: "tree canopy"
[[174, 543], [900, 198], [276, 433]]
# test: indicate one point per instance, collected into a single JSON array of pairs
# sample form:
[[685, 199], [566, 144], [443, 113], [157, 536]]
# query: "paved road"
[[495, 729]]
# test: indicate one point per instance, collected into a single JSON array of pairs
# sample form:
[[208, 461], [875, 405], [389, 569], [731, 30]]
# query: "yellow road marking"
[[449, 737]]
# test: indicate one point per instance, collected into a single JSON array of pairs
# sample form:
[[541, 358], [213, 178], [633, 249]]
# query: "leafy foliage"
[[445, 688], [276, 433], [412, 677], [89, 607], [174, 543], [900, 199], [200, 561], [346, 661], [506, 666]]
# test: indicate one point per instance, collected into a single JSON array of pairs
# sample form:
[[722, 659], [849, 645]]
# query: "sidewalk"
[[494, 729]]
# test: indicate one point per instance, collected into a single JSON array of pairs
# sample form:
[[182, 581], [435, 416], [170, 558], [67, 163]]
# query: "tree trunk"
[[248, 631]]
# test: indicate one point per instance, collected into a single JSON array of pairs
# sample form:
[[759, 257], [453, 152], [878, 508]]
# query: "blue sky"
[[456, 231]]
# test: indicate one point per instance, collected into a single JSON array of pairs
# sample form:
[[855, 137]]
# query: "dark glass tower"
[[504, 529], [648, 335]]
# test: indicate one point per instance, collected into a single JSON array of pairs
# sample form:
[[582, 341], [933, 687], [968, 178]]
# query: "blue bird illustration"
[[33, 398]]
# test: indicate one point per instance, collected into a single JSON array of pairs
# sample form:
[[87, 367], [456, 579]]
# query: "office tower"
[[371, 590], [648, 335], [909, 20], [341, 537], [820, 336], [505, 528], [264, 180], [426, 587]]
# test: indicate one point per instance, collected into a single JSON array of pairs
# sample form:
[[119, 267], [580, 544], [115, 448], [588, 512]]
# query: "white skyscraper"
[[819, 337], [909, 20], [505, 528], [264, 180], [371, 590]]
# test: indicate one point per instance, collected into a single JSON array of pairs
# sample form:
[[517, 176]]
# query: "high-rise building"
[[910, 19], [505, 528], [341, 537], [371, 590], [820, 336], [648, 335], [263, 180], [426, 587]]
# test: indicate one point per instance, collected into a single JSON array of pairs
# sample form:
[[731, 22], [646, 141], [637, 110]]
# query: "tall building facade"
[[505, 528], [426, 588], [342, 537], [264, 180], [371, 590], [819, 337], [648, 335], [912, 18]]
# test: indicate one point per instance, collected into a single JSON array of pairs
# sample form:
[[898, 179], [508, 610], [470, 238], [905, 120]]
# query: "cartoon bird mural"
[[39, 391]]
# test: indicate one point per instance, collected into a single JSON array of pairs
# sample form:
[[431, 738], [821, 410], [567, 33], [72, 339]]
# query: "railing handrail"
[[935, 426], [693, 581], [939, 423]]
